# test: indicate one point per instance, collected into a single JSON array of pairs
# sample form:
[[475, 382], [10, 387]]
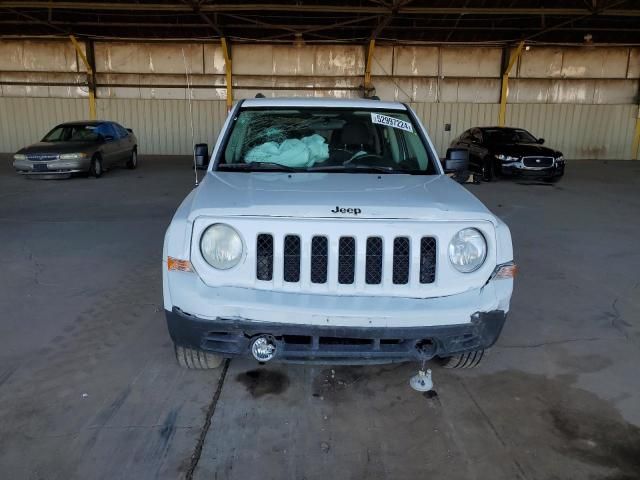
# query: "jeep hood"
[[315, 195]]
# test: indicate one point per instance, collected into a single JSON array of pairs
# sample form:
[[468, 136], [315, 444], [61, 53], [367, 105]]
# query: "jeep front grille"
[[345, 267]]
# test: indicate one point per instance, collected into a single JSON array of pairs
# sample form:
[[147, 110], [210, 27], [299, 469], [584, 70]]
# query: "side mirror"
[[457, 163], [541, 141], [129, 130], [201, 153]]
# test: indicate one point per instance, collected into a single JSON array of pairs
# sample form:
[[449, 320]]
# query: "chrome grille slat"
[[42, 157]]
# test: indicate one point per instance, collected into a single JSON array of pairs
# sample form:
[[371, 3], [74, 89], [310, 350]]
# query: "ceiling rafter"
[[302, 8], [322, 21]]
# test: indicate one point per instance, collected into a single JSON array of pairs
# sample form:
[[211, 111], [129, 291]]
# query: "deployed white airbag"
[[291, 152]]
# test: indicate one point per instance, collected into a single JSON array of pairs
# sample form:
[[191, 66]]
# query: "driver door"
[[109, 149]]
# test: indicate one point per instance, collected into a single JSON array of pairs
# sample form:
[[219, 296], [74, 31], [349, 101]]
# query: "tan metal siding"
[[579, 131], [25, 120], [163, 126]]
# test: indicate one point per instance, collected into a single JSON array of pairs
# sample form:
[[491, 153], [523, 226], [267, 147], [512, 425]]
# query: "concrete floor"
[[89, 387]]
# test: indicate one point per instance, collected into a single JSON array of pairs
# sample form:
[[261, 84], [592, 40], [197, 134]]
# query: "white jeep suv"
[[328, 231]]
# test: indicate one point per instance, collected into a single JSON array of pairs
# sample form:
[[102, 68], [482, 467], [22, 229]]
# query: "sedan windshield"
[[325, 140], [509, 135], [72, 133]]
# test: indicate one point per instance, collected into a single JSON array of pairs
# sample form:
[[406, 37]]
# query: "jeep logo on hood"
[[338, 209]]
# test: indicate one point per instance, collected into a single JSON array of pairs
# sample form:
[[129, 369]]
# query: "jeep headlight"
[[467, 250], [221, 246], [72, 156]]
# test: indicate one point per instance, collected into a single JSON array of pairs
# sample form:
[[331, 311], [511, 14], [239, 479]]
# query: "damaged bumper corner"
[[335, 344]]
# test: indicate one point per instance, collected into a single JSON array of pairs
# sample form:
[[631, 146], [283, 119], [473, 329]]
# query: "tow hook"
[[422, 381]]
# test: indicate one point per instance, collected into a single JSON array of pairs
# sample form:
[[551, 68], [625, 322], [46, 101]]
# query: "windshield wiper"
[[352, 168], [256, 166]]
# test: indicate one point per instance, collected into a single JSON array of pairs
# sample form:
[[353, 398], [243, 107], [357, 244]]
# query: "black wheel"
[[487, 171], [95, 170], [133, 160], [463, 360], [194, 359]]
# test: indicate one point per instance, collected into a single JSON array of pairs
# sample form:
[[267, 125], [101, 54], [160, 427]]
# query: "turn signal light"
[[179, 265], [506, 270]]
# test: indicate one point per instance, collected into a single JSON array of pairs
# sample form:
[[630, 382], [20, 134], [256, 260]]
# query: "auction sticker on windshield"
[[391, 122]]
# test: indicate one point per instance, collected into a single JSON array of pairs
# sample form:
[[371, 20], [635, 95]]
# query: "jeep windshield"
[[343, 140]]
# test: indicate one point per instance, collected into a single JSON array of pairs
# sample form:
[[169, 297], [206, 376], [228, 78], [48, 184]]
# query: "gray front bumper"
[[63, 167]]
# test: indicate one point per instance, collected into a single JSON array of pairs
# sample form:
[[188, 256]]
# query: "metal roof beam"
[[275, 7]]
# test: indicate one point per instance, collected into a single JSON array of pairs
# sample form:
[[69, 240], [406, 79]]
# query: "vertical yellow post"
[[90, 78], [227, 66], [505, 84], [367, 68], [635, 148]]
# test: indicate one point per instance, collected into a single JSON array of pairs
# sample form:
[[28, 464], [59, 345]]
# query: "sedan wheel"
[[133, 160], [96, 167]]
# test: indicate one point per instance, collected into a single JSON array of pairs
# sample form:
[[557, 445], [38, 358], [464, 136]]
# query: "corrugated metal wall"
[[583, 100], [163, 126], [26, 120]]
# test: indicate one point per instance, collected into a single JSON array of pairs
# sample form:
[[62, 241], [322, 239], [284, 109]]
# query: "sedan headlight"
[[507, 158], [19, 156], [72, 156], [468, 250], [560, 159], [221, 246]]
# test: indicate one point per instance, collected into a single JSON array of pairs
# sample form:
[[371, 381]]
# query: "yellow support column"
[[367, 69], [505, 84], [227, 66], [90, 78]]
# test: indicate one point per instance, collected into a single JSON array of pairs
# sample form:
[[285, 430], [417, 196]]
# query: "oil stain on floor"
[[261, 382]]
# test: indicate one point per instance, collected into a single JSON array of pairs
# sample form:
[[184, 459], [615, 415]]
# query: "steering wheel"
[[361, 156]]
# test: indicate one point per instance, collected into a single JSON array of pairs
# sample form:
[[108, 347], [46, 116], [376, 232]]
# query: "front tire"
[[464, 360], [95, 170], [194, 359], [132, 163]]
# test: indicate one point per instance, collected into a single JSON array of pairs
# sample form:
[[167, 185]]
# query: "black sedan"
[[500, 151], [79, 147]]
